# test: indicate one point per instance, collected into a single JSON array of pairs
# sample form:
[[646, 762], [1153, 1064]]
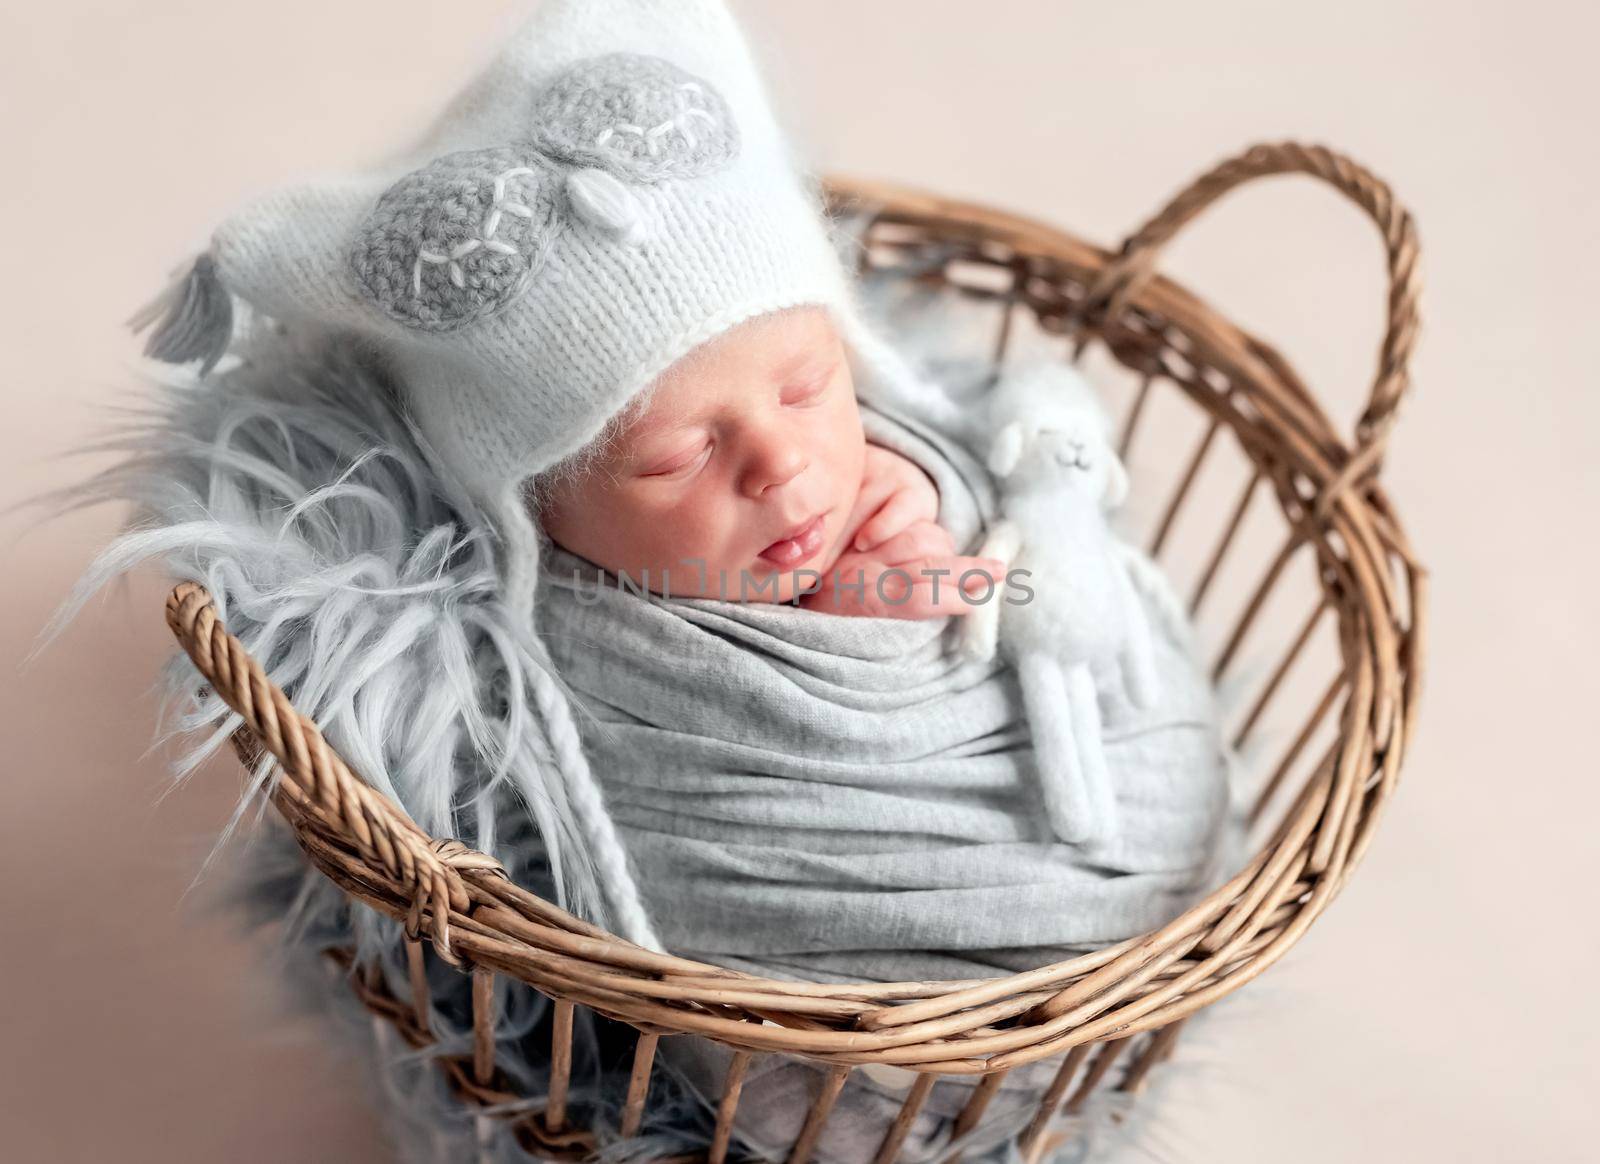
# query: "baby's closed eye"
[[811, 387], [679, 463]]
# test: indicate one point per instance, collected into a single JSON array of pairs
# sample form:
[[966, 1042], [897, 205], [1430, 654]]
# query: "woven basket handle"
[[1135, 262]]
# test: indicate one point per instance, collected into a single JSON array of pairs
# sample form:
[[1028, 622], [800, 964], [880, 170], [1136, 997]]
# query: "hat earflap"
[[192, 317]]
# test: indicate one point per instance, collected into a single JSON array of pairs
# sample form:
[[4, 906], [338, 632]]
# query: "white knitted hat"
[[610, 193]]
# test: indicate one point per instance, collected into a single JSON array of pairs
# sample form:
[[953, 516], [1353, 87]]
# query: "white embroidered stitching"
[[678, 122], [485, 237]]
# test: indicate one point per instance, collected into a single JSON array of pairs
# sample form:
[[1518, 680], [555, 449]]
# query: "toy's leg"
[[1056, 756], [1097, 790], [980, 629]]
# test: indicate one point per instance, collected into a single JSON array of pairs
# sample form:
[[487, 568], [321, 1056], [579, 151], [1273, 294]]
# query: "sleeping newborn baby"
[[744, 472], [808, 797]]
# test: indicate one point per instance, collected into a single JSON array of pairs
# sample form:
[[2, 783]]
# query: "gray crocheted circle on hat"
[[641, 117], [460, 238]]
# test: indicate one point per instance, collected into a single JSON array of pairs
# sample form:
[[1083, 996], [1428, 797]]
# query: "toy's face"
[[1068, 450], [1069, 446], [740, 468]]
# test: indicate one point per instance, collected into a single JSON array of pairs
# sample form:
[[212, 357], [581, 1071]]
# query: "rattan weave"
[[1093, 1010]]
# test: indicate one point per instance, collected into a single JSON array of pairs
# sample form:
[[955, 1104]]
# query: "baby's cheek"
[[699, 526], [847, 445]]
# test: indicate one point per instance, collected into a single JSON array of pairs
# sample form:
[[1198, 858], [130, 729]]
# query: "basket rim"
[[475, 916]]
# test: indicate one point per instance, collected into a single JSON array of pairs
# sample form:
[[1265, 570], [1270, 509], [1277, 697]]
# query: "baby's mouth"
[[800, 545]]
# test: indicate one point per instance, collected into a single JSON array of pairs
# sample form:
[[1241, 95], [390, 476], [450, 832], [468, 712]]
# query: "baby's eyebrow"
[[802, 361], [667, 429]]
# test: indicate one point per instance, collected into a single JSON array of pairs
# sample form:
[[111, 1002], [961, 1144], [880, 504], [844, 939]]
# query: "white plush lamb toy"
[[1059, 477]]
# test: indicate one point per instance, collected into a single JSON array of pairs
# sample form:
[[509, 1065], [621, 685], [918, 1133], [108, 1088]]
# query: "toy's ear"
[[1116, 482], [1006, 450]]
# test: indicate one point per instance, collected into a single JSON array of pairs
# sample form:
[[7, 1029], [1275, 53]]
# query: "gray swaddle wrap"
[[805, 794], [808, 795]]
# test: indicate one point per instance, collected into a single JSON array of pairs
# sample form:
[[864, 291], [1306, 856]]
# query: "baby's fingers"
[[921, 539], [938, 586], [903, 507]]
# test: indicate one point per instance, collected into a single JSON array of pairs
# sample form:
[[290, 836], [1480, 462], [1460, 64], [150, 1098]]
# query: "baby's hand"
[[915, 574], [895, 495]]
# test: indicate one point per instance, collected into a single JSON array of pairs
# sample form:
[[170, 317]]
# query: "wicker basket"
[[1109, 1016]]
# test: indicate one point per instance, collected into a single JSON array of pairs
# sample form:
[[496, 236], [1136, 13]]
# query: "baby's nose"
[[775, 460]]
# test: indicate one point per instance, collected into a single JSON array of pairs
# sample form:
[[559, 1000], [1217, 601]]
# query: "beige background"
[[1441, 1010]]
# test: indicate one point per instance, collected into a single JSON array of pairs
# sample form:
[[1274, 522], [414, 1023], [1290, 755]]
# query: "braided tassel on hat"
[[191, 319]]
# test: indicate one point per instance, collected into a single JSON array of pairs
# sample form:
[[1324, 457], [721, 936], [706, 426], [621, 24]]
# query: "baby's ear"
[[1007, 449]]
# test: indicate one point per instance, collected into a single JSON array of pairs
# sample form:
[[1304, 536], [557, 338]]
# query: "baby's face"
[[747, 455]]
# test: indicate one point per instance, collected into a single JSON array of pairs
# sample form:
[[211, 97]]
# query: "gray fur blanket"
[[290, 484]]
